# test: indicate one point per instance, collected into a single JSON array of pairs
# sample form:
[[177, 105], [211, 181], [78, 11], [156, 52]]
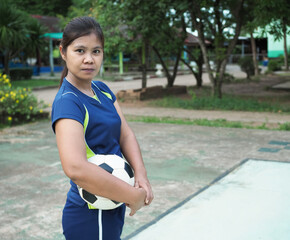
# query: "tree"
[[135, 26], [194, 52], [196, 56], [13, 32], [135, 17], [252, 22], [107, 13], [35, 42], [42, 7], [223, 21], [158, 24], [19, 32], [275, 15]]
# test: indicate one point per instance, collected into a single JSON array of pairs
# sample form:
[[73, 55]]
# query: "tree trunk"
[[199, 67], [221, 71], [198, 25], [175, 69], [216, 89], [195, 74], [206, 61], [197, 21], [199, 63], [143, 66], [38, 61], [144, 76], [6, 63], [254, 51], [170, 78], [285, 48], [198, 74]]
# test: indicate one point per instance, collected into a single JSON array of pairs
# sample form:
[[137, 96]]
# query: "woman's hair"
[[79, 27]]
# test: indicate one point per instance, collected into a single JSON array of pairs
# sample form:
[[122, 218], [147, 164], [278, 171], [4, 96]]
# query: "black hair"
[[79, 27]]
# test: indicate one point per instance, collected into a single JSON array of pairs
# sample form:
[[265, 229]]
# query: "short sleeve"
[[67, 106], [104, 88]]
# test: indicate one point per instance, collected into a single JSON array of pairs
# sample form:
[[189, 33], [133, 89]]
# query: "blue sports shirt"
[[102, 124]]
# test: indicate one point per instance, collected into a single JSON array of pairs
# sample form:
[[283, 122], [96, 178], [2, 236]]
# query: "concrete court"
[[181, 160], [250, 203]]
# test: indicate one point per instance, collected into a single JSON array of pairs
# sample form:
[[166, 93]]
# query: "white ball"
[[118, 167]]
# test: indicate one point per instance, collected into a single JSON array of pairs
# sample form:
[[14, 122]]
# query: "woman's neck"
[[82, 85]]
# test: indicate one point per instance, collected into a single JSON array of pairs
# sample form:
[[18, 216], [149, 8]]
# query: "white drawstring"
[[100, 225]]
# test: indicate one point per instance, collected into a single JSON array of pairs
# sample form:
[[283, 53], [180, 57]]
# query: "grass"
[[227, 103], [209, 123], [285, 74], [34, 83]]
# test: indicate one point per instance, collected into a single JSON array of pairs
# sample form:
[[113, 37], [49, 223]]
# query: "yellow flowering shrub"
[[18, 105]]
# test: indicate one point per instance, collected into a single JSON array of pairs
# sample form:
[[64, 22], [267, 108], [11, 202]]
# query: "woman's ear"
[[61, 52]]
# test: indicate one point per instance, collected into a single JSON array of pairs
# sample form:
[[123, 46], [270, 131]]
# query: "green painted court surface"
[[180, 160]]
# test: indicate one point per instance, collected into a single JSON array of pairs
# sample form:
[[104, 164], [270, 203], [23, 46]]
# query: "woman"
[[87, 119]]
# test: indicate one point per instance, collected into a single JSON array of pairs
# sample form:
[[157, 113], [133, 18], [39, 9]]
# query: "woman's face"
[[83, 58]]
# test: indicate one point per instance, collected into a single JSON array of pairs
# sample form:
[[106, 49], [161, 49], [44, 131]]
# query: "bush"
[[274, 65], [18, 105], [247, 66], [281, 59], [20, 73], [228, 78]]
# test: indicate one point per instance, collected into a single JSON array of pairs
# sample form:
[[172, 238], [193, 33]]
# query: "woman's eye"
[[97, 51], [80, 50]]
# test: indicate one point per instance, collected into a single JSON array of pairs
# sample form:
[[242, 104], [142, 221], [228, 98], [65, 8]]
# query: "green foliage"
[[226, 103], [108, 14], [20, 73], [35, 41], [42, 7], [274, 16], [274, 65], [247, 65], [4, 81], [18, 105], [206, 122], [35, 83], [13, 29], [281, 59], [285, 126], [228, 78], [19, 32]]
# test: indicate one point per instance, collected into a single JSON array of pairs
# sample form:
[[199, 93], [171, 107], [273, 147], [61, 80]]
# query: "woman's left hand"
[[141, 181]]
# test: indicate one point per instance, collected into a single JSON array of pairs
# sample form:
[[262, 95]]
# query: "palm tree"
[[35, 40], [13, 31]]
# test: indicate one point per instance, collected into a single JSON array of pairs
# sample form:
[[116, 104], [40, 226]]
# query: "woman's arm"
[[72, 152], [131, 151]]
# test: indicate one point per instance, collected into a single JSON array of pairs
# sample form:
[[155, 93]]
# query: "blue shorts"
[[82, 223]]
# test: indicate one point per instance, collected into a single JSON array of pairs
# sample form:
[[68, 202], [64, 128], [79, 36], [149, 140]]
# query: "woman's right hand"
[[138, 202]]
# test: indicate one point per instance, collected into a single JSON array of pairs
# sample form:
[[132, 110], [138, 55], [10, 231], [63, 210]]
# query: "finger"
[[149, 198], [132, 213], [148, 195]]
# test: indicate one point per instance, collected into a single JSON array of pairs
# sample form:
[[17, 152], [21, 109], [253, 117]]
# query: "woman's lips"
[[88, 69]]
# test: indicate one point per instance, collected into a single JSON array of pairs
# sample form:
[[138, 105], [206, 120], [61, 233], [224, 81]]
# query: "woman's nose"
[[88, 58]]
